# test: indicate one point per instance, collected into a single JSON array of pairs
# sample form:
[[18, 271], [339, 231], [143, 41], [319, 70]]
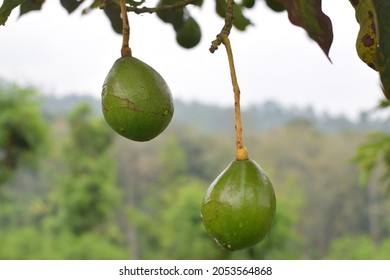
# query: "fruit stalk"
[[125, 51], [226, 27], [241, 151]]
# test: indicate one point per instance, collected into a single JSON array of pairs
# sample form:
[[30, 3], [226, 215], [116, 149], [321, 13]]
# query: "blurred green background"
[[70, 188]]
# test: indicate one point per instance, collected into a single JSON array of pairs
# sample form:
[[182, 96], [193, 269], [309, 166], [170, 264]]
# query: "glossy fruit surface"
[[136, 101], [239, 206]]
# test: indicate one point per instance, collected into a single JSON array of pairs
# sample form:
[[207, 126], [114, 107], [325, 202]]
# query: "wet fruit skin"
[[136, 101], [239, 206]]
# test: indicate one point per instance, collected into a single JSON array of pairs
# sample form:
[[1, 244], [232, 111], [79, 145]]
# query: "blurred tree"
[[319, 166], [374, 154], [358, 247], [71, 208], [23, 131], [87, 196], [32, 243], [373, 160]]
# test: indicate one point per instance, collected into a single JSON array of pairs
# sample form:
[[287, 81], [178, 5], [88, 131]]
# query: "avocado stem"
[[126, 50], [226, 27], [241, 151]]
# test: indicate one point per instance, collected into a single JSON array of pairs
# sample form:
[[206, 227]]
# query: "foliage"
[[374, 154], [358, 247], [33, 243], [372, 44], [90, 200], [96, 195], [23, 128]]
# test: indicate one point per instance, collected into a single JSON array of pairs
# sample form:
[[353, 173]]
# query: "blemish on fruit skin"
[[129, 104], [136, 97]]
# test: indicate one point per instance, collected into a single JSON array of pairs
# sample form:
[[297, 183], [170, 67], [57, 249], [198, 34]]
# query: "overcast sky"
[[63, 54]]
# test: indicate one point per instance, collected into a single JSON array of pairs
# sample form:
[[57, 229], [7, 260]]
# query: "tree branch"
[[226, 28], [151, 10]]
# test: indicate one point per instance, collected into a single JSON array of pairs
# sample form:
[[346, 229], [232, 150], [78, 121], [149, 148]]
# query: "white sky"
[[62, 54]]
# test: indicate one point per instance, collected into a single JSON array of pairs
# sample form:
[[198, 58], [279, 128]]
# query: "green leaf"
[[6, 9], [135, 3], [275, 5], [113, 13], [174, 17], [240, 21], [308, 15], [384, 104], [30, 5], [382, 10], [371, 154], [220, 8], [71, 5], [366, 42], [95, 4]]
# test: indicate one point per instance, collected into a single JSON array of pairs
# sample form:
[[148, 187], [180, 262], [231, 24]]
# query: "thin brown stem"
[[125, 51], [241, 151]]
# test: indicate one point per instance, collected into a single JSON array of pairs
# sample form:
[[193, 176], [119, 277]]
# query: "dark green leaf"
[[30, 5], [220, 7], [135, 3], [275, 5], [308, 14], [71, 5], [174, 17], [95, 4], [198, 3], [374, 153], [6, 9], [113, 13], [382, 10], [240, 21], [384, 104]]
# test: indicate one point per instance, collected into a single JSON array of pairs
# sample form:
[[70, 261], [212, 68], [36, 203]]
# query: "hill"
[[257, 118]]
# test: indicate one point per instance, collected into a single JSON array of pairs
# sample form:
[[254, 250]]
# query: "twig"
[[125, 51], [151, 10], [241, 151], [226, 28]]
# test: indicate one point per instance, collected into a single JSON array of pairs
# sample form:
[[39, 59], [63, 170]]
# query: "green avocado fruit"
[[189, 35], [238, 208], [136, 101]]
